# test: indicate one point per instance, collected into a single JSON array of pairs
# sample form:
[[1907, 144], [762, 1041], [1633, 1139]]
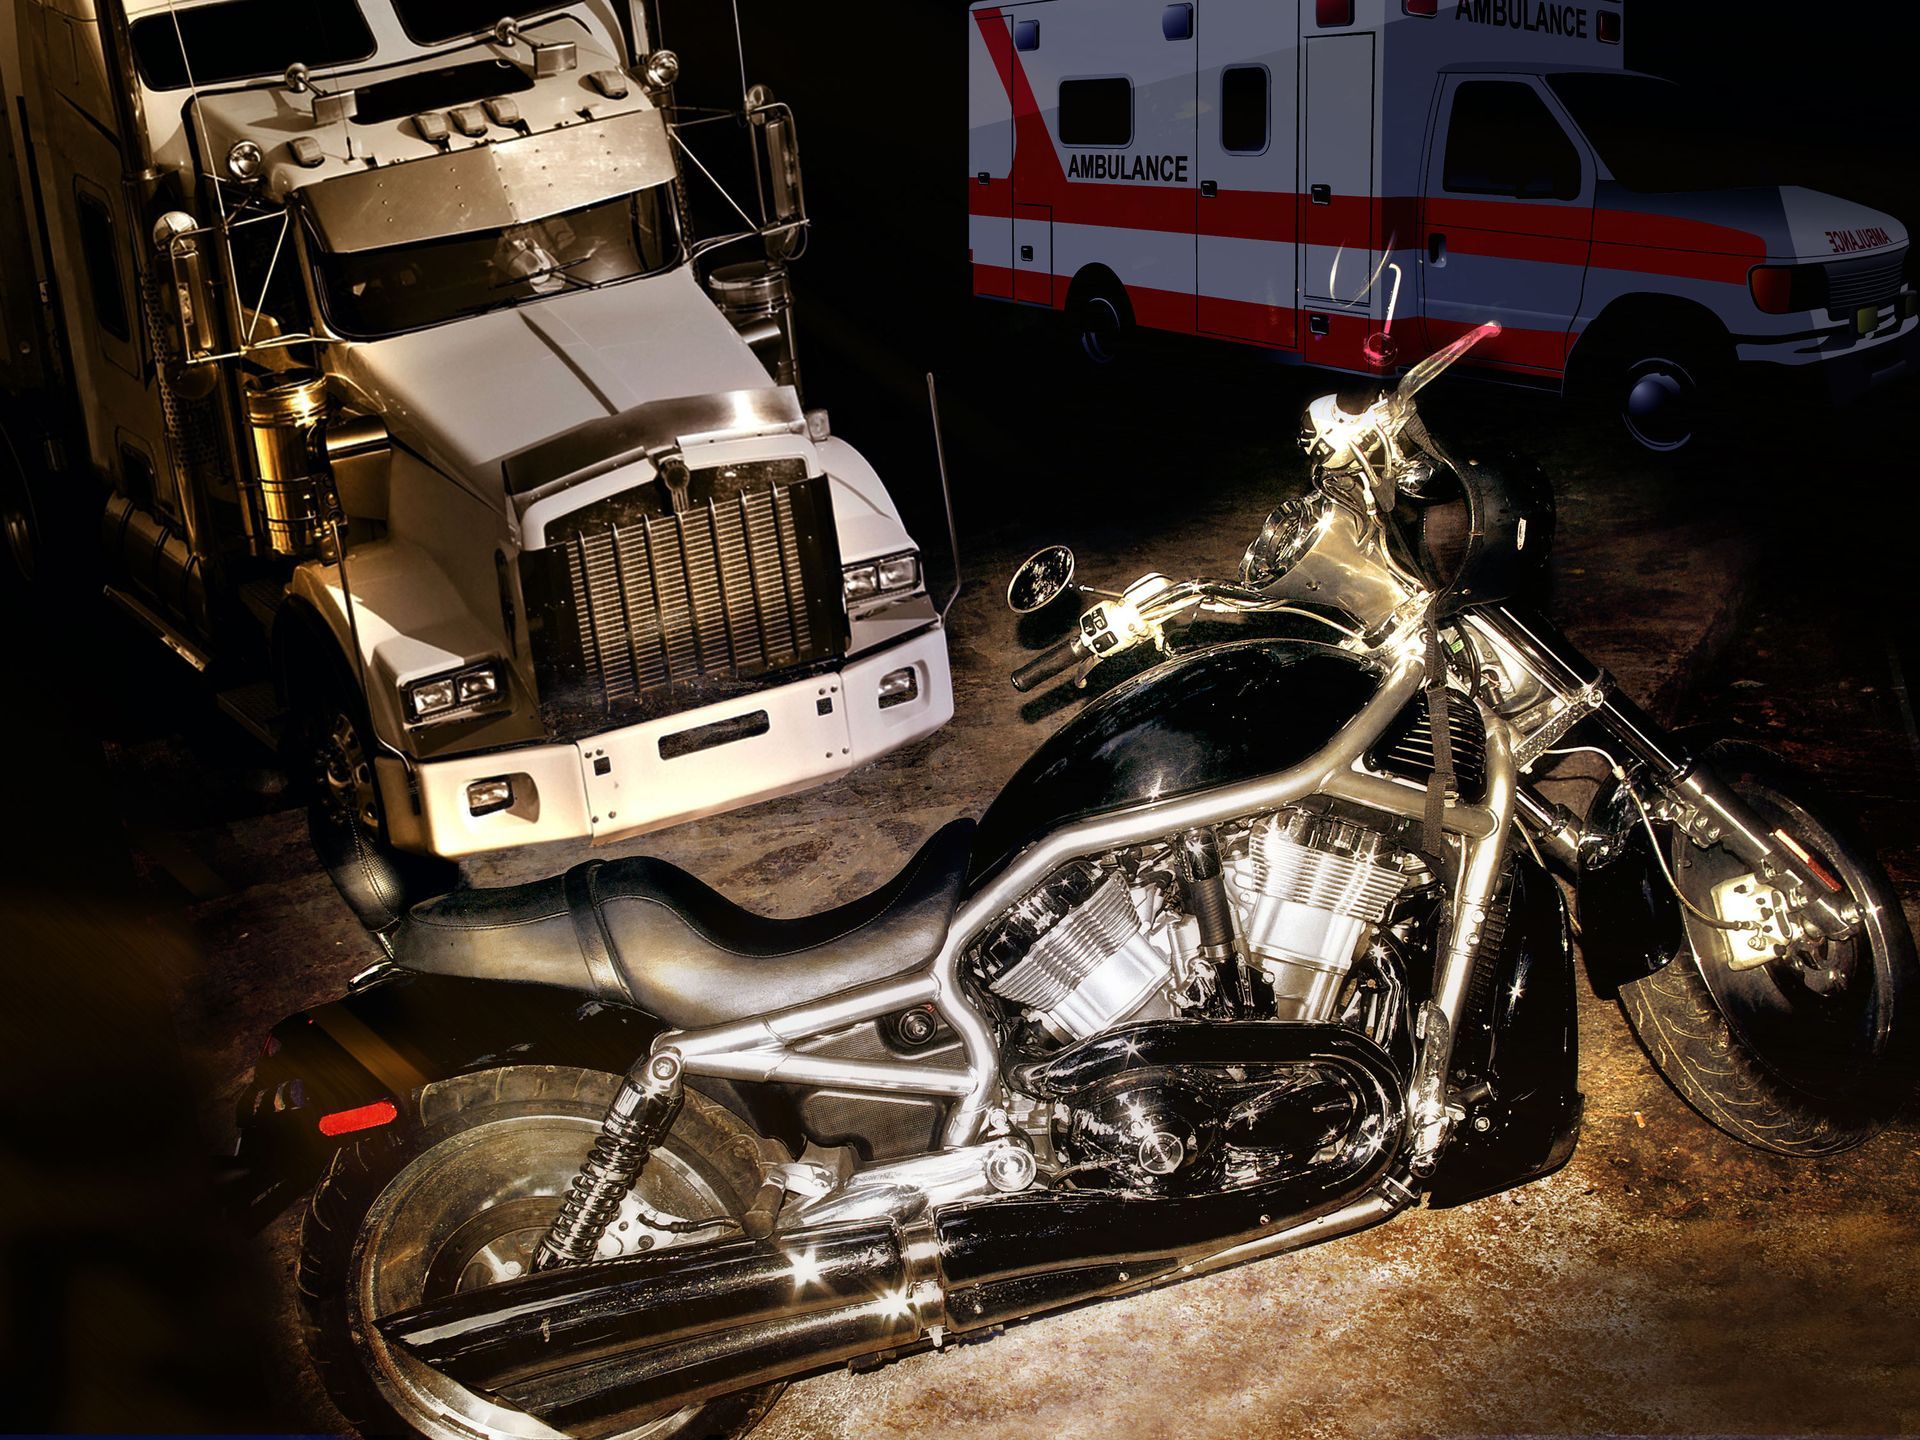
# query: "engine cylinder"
[[1311, 887], [1092, 968]]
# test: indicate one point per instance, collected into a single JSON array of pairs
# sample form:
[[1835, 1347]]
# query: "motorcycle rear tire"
[[1724, 1054], [515, 1134]]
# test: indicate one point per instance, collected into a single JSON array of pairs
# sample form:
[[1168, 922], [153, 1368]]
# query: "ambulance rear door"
[[1508, 220], [990, 154], [1247, 158]]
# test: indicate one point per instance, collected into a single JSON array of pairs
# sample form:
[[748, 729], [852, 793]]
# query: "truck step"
[[262, 599], [161, 628], [256, 709]]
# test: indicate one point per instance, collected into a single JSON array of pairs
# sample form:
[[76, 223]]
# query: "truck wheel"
[[21, 520], [458, 1201], [345, 815]]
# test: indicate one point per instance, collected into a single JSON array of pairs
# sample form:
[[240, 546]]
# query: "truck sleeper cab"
[[413, 399], [1354, 183]]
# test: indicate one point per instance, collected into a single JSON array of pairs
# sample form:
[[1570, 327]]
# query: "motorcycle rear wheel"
[[1787, 1057], [459, 1202]]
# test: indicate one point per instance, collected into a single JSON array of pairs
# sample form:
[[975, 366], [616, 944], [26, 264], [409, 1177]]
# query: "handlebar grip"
[[1049, 663]]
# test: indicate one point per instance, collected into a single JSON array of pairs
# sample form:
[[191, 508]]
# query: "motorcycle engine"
[[1101, 944], [1310, 888]]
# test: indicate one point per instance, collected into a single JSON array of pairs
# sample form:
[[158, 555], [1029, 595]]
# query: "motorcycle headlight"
[[459, 693], [1288, 534]]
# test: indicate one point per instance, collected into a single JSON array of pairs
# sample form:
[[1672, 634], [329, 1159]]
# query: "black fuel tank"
[[1229, 713]]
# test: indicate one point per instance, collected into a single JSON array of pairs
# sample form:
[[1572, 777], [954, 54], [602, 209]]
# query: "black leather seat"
[[643, 932]]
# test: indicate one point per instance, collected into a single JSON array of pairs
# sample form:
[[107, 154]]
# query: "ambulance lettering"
[[1547, 19], [1845, 242], [1169, 169]]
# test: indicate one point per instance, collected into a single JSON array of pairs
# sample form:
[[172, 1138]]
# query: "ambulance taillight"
[[1786, 289]]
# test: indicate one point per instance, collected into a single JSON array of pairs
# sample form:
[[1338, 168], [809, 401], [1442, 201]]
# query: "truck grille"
[[1406, 747], [635, 611], [1870, 280]]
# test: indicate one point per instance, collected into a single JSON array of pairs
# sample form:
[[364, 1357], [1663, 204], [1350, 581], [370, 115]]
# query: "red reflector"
[[1333, 12], [361, 1117], [1607, 27], [1421, 7]]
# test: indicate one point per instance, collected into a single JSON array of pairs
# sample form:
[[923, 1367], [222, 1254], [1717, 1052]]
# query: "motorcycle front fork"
[[1688, 794]]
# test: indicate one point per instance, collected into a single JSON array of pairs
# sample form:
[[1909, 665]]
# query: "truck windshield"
[[1656, 138], [370, 293]]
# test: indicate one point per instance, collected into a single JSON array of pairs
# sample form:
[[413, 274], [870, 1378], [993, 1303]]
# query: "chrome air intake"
[[1311, 887], [1092, 965]]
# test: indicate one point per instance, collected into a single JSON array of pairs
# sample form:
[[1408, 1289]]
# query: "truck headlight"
[[882, 579], [470, 691]]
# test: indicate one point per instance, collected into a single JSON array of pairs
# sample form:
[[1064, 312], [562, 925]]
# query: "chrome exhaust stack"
[[591, 1347]]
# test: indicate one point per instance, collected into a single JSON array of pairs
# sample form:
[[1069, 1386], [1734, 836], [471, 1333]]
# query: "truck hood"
[[1760, 222], [467, 394]]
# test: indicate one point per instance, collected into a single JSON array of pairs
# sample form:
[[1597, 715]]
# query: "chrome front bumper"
[[699, 762]]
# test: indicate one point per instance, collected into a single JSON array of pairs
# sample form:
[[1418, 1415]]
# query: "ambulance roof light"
[[1607, 27], [1176, 22], [1425, 8], [1332, 12]]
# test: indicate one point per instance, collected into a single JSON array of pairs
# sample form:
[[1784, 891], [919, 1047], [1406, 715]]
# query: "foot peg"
[[636, 1122]]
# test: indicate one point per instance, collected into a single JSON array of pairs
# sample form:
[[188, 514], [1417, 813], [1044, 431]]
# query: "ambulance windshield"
[[1656, 137]]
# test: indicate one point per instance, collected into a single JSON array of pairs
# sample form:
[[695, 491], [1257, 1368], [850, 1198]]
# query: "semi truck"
[[1354, 183], [371, 344]]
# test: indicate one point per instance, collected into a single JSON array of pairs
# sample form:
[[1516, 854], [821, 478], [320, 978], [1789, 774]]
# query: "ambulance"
[[1353, 183]]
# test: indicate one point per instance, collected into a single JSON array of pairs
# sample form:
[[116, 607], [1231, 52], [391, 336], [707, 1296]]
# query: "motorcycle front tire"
[[1762, 1054], [458, 1199]]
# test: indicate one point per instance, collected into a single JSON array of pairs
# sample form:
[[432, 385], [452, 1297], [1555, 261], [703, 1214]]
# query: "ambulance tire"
[[1099, 319], [1661, 379]]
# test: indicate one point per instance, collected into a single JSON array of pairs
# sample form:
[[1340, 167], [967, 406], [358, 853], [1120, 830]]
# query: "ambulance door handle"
[[1209, 188], [984, 178], [1436, 249], [1321, 194]]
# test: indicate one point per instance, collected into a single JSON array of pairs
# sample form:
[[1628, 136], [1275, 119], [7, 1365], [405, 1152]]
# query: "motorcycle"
[[1259, 949]]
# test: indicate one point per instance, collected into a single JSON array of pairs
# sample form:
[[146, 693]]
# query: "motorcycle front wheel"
[[1808, 1054], [460, 1201]]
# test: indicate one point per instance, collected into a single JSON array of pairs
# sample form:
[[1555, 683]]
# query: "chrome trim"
[[608, 442]]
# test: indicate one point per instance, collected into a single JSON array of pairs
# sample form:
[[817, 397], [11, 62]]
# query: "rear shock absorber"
[[636, 1122]]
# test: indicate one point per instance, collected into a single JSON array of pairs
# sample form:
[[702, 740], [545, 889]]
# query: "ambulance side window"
[[1503, 140], [1244, 91], [1097, 111]]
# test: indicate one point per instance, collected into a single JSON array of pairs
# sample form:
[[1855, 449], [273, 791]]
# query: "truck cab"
[[384, 326], [1354, 183]]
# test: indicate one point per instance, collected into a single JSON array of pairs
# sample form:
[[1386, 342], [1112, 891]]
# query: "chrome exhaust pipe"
[[617, 1342]]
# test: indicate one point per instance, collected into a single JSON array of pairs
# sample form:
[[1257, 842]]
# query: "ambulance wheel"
[[1100, 321], [1662, 400]]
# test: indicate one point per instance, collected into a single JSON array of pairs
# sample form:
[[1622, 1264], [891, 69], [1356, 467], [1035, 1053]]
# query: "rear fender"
[[329, 1076]]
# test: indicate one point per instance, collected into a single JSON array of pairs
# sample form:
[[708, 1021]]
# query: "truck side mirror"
[[187, 274], [781, 146]]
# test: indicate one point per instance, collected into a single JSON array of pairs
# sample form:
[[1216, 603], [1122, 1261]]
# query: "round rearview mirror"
[[1042, 578]]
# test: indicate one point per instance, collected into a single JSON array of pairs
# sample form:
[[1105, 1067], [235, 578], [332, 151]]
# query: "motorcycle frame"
[[765, 1048]]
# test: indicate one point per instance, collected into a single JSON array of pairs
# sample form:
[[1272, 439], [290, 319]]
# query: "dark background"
[[123, 1303]]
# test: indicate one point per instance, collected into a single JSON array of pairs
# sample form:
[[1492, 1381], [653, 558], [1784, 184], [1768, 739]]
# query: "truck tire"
[[346, 818], [458, 1198], [1660, 375], [22, 515]]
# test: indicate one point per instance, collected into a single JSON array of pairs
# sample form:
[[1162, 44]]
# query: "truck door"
[[989, 155], [1336, 214], [1247, 157], [1508, 221]]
